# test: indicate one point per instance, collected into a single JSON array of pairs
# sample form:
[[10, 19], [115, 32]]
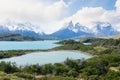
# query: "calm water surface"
[[46, 57], [39, 57], [28, 45]]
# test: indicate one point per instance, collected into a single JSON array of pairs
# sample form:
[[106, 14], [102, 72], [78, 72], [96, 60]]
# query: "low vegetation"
[[91, 69], [105, 65], [12, 53], [18, 37], [15, 37]]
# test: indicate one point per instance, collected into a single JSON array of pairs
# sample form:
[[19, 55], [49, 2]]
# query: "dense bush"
[[7, 54], [8, 67]]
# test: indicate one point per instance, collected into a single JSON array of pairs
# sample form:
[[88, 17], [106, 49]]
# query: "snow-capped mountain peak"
[[81, 28], [105, 29], [77, 30], [12, 26], [69, 26], [21, 28]]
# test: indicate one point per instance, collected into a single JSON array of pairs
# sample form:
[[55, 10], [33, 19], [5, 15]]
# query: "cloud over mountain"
[[31, 10], [88, 16], [35, 11], [50, 15]]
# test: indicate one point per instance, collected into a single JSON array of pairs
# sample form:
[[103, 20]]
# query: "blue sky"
[[77, 4], [51, 15]]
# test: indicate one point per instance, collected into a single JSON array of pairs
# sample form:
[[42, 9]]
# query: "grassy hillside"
[[116, 36]]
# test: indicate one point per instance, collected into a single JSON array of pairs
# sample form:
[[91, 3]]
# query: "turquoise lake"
[[28, 45], [46, 57], [39, 57]]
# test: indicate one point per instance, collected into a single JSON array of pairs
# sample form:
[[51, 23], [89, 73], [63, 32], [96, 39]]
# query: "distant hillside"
[[15, 37], [116, 36]]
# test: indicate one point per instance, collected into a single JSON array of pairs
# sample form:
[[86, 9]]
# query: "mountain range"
[[69, 31], [77, 30], [25, 29]]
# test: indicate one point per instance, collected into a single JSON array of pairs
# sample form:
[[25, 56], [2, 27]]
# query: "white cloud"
[[35, 11], [88, 16], [48, 15], [117, 4], [31, 10]]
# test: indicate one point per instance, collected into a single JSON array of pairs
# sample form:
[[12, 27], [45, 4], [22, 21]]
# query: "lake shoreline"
[[46, 57], [34, 51], [28, 45], [18, 53]]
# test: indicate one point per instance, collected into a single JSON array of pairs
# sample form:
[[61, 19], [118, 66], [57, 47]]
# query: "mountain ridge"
[[25, 29], [69, 31], [77, 30]]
